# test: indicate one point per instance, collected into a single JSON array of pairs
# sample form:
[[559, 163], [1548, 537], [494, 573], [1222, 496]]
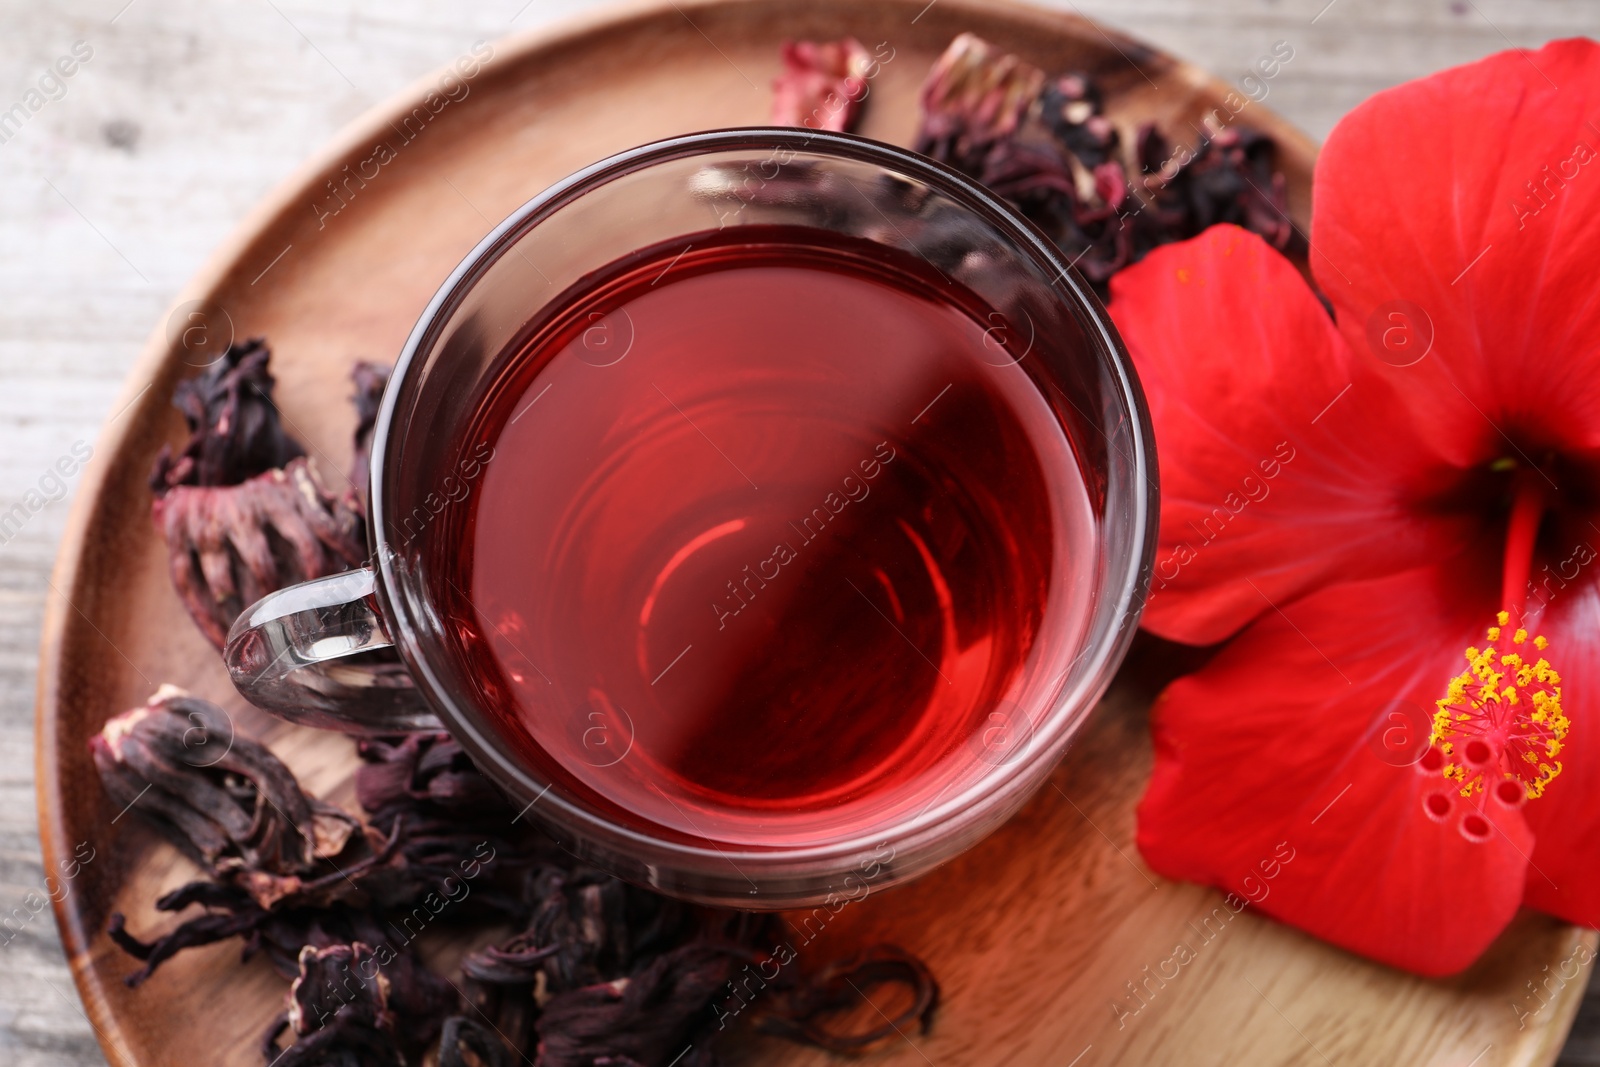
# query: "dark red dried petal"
[[974, 97], [204, 930], [1045, 145], [464, 1037], [1229, 177], [224, 799], [339, 980], [229, 546], [823, 84], [801, 1014], [234, 428], [646, 1018]]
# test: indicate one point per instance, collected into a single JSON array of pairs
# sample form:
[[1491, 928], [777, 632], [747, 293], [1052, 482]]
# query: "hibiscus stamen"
[[1500, 726]]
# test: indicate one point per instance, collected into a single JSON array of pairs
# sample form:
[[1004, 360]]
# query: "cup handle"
[[288, 653]]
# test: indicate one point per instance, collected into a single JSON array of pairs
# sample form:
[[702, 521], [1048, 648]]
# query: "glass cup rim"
[[1072, 701]]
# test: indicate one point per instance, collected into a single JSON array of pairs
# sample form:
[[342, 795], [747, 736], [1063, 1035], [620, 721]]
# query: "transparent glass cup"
[[304, 652]]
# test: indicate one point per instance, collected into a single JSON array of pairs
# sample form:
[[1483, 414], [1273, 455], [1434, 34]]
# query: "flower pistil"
[[1501, 718]]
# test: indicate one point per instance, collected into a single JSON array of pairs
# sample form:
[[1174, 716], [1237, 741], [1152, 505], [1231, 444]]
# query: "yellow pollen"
[[1510, 705]]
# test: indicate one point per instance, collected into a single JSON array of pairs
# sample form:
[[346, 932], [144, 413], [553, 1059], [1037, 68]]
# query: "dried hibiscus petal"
[[423, 793], [1071, 107], [822, 85], [228, 546], [225, 800], [974, 97], [1042, 145], [799, 1014], [588, 931], [337, 1019], [1045, 145], [351, 1004], [649, 1018], [425, 775], [1227, 177], [585, 927], [235, 915], [602, 972], [465, 1042], [234, 428]]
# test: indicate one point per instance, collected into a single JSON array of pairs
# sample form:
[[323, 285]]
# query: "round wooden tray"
[[1040, 935]]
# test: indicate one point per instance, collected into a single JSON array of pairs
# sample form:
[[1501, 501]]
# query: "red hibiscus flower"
[[1356, 499]]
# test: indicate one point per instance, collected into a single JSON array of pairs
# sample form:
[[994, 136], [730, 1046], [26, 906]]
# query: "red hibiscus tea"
[[766, 553]]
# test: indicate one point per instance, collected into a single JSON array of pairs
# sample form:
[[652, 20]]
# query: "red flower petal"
[[1274, 748], [1422, 195], [1282, 461], [1565, 880]]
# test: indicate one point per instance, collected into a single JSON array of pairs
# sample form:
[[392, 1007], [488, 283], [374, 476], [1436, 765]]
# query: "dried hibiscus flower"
[[338, 1019], [234, 428], [348, 1007], [823, 84], [649, 1018], [1227, 177], [585, 929], [1353, 500], [465, 1042], [1044, 144], [622, 975], [277, 855], [839, 987], [601, 972], [224, 799], [241, 508], [441, 817], [280, 933], [975, 99], [230, 545], [425, 777]]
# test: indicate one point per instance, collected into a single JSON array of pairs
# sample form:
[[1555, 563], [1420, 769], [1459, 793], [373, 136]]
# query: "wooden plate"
[[1040, 935]]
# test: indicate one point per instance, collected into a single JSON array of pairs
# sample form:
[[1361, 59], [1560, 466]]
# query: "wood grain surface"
[[184, 116]]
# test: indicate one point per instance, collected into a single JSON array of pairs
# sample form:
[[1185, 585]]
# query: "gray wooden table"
[[186, 112]]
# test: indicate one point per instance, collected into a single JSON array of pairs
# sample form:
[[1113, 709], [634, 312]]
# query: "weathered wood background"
[[187, 111]]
